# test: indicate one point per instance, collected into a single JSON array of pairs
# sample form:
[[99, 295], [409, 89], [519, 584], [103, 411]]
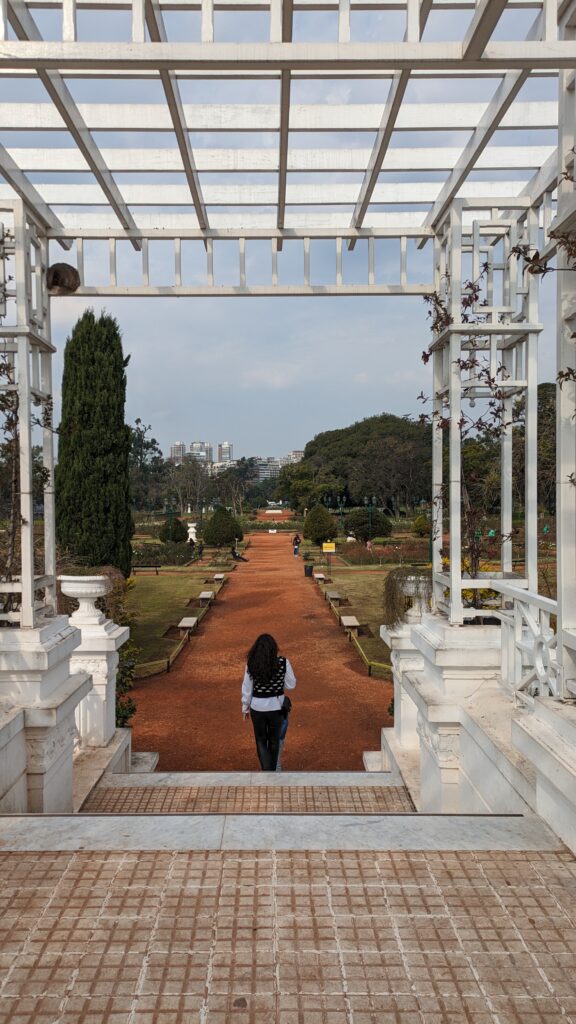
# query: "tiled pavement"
[[248, 800], [212, 937]]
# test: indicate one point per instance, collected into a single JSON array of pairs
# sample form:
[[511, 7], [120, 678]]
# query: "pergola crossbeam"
[[18, 181], [239, 161], [155, 23], [240, 58], [285, 87], [26, 29], [387, 125], [486, 17]]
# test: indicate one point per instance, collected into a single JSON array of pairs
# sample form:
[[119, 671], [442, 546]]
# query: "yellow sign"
[[329, 547]]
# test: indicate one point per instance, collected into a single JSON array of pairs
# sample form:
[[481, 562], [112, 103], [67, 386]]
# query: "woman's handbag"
[[286, 706]]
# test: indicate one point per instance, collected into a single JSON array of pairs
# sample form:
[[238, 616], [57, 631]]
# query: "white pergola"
[[417, 167]]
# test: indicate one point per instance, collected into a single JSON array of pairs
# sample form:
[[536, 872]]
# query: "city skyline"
[[203, 451]]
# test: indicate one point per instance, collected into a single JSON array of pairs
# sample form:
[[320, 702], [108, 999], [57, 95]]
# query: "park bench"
[[219, 577], [333, 596], [319, 577], [205, 597], [145, 568], [187, 624], [350, 623]]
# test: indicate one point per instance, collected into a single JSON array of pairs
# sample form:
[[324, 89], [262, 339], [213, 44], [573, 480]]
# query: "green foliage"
[[319, 525], [147, 468], [421, 526], [222, 528], [402, 587], [366, 524], [115, 607], [161, 554], [173, 530], [93, 518]]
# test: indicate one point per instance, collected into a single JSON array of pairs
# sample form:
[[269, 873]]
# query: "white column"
[[455, 398], [565, 408]]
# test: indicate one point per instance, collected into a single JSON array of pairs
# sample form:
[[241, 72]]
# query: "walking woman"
[[266, 677]]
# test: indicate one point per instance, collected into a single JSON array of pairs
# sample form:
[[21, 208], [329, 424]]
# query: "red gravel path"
[[192, 715]]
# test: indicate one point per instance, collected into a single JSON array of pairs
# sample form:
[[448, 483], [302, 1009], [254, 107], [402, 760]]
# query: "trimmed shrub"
[[319, 525], [173, 530], [362, 522], [421, 526], [222, 528], [93, 510]]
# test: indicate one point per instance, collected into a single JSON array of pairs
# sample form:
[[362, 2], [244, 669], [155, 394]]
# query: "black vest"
[[274, 687]]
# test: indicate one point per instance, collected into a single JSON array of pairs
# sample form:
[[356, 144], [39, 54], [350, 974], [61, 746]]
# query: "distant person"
[[266, 677], [369, 546], [199, 551], [296, 542], [236, 555]]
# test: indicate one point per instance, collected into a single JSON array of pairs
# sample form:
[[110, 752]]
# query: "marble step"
[[187, 779], [276, 832]]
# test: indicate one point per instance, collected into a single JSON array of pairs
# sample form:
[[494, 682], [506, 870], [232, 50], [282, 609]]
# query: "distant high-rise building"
[[177, 453], [202, 451], [225, 452], [295, 456], [267, 469]]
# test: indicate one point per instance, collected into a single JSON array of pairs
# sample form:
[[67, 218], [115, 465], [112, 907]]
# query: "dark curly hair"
[[262, 658]]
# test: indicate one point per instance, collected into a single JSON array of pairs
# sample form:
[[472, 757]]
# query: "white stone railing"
[[529, 664]]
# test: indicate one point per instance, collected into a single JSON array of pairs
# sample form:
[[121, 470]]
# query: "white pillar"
[[566, 405], [96, 655]]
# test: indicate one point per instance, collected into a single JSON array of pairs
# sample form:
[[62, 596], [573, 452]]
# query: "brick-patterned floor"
[[288, 938], [249, 800]]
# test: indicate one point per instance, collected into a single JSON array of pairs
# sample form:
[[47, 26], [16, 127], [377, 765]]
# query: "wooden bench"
[[187, 624], [145, 568], [205, 597], [319, 577], [219, 577], [350, 623], [333, 596]]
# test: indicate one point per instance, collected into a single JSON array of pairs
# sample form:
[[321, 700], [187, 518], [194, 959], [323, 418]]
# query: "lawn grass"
[[364, 591], [158, 603]]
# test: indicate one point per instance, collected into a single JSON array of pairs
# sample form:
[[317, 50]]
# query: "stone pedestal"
[[35, 677], [97, 655]]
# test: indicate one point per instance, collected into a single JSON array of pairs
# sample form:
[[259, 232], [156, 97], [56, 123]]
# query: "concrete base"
[[91, 764], [144, 761], [452, 737], [548, 738]]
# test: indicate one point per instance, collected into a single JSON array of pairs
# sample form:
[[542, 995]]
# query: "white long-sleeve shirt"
[[265, 703]]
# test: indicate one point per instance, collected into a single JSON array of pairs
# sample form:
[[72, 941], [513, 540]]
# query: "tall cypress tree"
[[93, 520]]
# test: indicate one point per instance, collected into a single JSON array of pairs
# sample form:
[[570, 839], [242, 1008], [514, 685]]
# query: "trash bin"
[[308, 570]]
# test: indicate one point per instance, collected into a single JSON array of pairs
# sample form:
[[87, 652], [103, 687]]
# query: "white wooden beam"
[[322, 117], [232, 161], [486, 17], [24, 188], [505, 95], [287, 18], [246, 224], [300, 5], [155, 23], [25, 28], [239, 58], [389, 118], [403, 193]]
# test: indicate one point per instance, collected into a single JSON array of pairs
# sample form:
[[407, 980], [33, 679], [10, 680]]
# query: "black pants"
[[267, 726]]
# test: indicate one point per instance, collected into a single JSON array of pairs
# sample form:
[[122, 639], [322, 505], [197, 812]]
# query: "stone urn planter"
[[86, 590], [406, 582]]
